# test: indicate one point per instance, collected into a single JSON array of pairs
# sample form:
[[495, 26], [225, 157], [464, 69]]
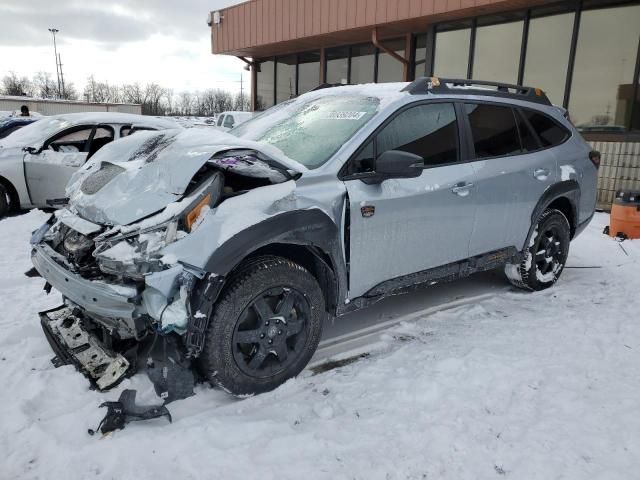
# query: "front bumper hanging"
[[74, 345]]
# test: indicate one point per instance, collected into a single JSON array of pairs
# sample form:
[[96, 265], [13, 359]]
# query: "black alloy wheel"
[[271, 331], [264, 328], [549, 255]]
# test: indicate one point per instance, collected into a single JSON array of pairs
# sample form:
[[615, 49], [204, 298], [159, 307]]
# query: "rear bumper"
[[95, 297]]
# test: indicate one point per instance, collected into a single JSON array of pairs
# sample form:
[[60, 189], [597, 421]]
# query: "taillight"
[[594, 156]]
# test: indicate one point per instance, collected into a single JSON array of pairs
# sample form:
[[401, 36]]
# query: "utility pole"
[[55, 51], [61, 74], [241, 94]]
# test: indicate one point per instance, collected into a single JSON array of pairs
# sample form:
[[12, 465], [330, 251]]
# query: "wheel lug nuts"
[[279, 332], [266, 323], [262, 335], [270, 342]]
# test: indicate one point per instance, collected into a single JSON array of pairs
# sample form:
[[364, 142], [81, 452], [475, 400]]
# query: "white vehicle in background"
[[37, 161], [228, 120]]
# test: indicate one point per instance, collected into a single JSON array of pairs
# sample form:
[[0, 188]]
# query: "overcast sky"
[[120, 41]]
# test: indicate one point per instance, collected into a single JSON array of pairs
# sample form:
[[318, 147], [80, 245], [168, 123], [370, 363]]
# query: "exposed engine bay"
[[129, 270]]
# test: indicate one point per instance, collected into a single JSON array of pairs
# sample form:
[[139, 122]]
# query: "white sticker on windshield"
[[343, 115]]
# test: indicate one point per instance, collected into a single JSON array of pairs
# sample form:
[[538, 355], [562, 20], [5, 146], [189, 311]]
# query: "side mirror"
[[398, 164], [32, 150]]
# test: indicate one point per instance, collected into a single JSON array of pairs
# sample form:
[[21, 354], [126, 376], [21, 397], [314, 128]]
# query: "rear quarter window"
[[547, 129]]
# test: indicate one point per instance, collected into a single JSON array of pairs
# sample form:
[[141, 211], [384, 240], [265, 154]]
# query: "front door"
[[48, 172], [403, 226]]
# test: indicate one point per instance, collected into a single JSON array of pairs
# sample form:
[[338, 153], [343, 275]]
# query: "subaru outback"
[[198, 254]]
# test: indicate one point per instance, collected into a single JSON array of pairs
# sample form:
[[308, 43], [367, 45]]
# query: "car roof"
[[17, 121], [117, 118]]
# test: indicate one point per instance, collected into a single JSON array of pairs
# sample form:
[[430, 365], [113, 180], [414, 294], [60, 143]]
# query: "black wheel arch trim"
[[569, 189], [311, 228]]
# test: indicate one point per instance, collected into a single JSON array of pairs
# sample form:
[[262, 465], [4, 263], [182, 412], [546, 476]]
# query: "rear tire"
[[4, 201], [265, 329], [546, 256]]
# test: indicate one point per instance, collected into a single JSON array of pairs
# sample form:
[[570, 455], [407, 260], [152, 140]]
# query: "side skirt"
[[442, 274]]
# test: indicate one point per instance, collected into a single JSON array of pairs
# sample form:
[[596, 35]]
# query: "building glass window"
[[547, 55], [421, 56], [497, 53], [452, 53], [338, 65], [265, 81], [389, 68], [308, 71], [286, 78], [601, 90], [363, 59]]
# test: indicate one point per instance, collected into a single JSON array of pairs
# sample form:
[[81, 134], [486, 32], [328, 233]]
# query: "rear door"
[[512, 172], [403, 226]]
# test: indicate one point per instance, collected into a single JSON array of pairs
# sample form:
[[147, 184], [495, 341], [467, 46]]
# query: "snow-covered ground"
[[518, 385]]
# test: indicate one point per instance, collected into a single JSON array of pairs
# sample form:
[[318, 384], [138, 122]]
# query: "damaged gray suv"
[[207, 255]]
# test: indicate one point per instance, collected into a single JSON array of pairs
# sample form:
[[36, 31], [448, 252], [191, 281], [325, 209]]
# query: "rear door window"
[[494, 130], [220, 120], [549, 132]]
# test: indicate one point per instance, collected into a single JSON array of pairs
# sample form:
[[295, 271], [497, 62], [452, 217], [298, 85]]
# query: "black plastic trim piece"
[[436, 85], [309, 228], [569, 189], [444, 273]]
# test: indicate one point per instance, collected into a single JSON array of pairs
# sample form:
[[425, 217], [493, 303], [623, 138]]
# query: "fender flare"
[[310, 228], [569, 189]]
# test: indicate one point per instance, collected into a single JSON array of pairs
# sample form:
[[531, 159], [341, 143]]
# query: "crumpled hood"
[[140, 175]]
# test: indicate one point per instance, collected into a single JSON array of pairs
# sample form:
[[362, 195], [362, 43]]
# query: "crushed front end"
[[131, 272], [125, 308]]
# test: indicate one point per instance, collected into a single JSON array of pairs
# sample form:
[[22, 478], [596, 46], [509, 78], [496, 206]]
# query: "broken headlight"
[[139, 251]]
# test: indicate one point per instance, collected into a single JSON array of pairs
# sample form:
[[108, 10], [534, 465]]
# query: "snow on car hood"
[[140, 175]]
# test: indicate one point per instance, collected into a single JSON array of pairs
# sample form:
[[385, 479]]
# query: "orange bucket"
[[625, 215]]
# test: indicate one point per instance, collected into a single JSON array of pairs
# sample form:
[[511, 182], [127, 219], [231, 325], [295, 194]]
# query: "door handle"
[[462, 189], [541, 173]]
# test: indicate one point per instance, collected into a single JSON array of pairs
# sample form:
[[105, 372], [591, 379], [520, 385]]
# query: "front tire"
[[546, 256], [265, 329]]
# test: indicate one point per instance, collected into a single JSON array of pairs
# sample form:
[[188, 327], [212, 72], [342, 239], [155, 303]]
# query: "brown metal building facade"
[[584, 53]]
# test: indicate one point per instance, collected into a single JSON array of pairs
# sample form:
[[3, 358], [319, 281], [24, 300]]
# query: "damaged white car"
[[198, 254], [37, 161]]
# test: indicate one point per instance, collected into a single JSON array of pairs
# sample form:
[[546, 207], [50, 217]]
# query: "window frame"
[[74, 129], [461, 149], [568, 133], [516, 110]]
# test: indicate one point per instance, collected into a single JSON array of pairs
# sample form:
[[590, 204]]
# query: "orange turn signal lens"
[[194, 214]]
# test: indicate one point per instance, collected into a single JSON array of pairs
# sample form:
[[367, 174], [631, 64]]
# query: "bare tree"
[[168, 97], [185, 103], [44, 86], [152, 104], [17, 86], [115, 93], [70, 92], [132, 93], [242, 103]]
